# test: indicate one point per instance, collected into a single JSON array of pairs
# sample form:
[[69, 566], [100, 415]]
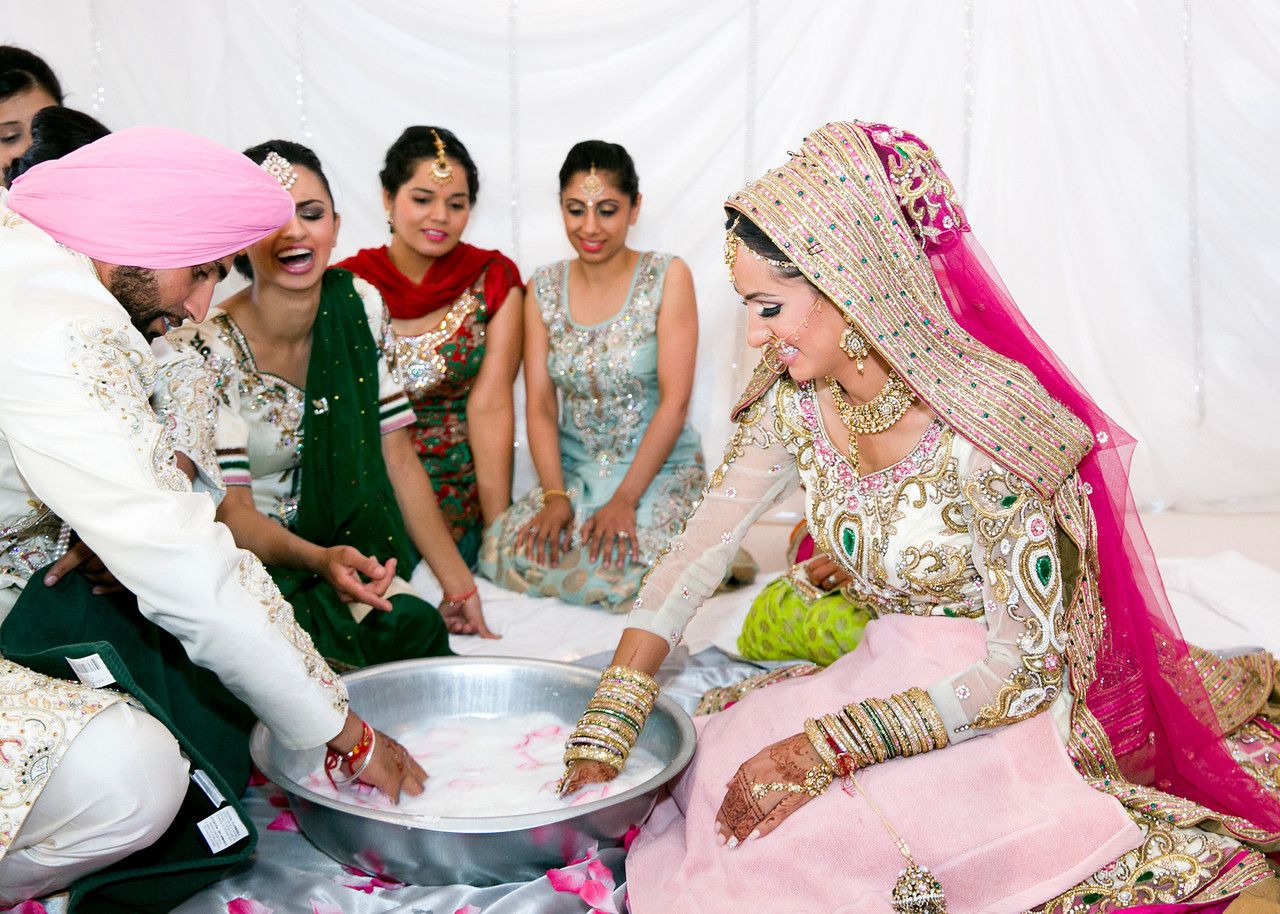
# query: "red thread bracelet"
[[462, 598], [334, 758]]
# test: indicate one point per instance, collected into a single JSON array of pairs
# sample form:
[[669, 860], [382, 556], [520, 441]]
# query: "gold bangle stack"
[[613, 719], [876, 730]]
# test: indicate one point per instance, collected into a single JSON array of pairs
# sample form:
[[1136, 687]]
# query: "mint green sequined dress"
[[606, 379]]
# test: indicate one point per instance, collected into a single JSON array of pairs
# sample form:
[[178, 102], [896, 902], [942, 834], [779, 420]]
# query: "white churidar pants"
[[117, 789]]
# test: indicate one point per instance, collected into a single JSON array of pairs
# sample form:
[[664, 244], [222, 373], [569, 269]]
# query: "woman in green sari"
[[322, 480]]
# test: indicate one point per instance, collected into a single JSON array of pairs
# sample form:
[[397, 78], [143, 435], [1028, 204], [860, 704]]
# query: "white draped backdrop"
[[1113, 155]]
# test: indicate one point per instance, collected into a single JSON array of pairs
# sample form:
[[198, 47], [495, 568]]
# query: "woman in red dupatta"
[[456, 312]]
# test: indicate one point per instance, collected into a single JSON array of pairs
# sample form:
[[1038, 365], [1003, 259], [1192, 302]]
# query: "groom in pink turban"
[[100, 252], [160, 213]]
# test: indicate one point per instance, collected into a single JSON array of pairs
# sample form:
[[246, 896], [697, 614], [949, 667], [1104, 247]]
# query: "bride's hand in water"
[[743, 815], [585, 773]]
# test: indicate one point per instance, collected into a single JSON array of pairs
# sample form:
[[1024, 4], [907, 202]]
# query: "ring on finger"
[[623, 535]]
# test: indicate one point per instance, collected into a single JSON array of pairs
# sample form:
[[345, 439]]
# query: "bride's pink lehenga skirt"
[[1003, 820]]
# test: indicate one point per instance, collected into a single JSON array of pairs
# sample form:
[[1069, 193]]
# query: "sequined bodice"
[[606, 374], [901, 532], [438, 367]]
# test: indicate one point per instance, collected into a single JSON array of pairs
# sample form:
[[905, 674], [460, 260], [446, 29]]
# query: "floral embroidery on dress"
[[186, 403], [254, 578], [281, 404], [119, 378], [29, 542], [39, 717], [439, 368], [1171, 866], [592, 366], [1022, 567], [856, 519]]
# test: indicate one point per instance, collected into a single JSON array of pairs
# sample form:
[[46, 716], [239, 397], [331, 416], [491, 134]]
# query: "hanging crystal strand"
[[95, 64], [969, 95], [1193, 218], [513, 115], [300, 74]]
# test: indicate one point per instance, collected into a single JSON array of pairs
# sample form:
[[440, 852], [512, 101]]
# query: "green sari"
[[346, 497]]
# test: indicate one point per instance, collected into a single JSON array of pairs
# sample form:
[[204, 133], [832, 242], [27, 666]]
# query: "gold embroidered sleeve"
[[186, 403], [1015, 553], [756, 473]]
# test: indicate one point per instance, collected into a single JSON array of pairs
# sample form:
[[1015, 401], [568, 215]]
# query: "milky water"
[[502, 766]]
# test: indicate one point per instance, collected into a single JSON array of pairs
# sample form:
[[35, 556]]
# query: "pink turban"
[[152, 197]]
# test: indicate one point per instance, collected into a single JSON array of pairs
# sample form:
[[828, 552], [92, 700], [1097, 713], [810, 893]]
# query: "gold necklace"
[[878, 414]]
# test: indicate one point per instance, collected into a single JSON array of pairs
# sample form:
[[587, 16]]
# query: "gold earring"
[[854, 346]]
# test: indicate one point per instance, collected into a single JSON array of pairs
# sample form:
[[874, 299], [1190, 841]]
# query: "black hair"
[[757, 241], [21, 70], [294, 154], [54, 133], [419, 143], [610, 157]]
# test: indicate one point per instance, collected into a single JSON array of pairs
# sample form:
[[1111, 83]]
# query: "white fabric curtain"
[[1064, 124]]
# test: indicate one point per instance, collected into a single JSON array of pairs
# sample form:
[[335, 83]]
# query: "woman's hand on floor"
[[345, 567], [549, 533], [742, 815], [465, 617], [613, 526], [584, 774]]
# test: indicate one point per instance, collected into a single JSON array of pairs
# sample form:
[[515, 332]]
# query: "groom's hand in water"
[[393, 770], [742, 815], [345, 569], [584, 774]]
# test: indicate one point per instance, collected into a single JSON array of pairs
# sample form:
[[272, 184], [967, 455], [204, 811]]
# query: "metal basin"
[[476, 851]]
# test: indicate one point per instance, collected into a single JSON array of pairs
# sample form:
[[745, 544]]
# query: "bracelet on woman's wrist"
[[462, 597], [550, 493]]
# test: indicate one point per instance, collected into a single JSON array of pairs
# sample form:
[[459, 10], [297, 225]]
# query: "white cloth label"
[[222, 829], [91, 671], [205, 783]]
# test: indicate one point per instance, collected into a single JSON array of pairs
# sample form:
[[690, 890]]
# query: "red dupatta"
[[444, 282]]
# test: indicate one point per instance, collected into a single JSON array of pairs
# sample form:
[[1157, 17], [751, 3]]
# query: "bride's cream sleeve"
[[757, 473], [1015, 552]]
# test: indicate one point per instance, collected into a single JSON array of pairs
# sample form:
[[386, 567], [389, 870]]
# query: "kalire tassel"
[[918, 891]]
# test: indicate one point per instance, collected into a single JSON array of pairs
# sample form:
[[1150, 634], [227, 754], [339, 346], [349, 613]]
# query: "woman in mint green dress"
[[610, 342]]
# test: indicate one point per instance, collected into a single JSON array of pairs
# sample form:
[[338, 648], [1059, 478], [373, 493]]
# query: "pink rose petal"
[[597, 894], [467, 909], [244, 905], [284, 822], [30, 906], [257, 778], [600, 873], [565, 881], [324, 907], [629, 837]]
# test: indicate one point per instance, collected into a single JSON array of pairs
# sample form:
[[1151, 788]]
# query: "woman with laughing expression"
[[322, 480]]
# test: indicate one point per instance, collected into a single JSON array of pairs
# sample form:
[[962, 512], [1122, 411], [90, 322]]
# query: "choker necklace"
[[878, 414]]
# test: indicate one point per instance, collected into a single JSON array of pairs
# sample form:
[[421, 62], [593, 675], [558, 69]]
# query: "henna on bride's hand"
[[792, 759], [740, 811]]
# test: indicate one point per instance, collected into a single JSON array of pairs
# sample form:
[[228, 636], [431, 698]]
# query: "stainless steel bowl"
[[475, 851]]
